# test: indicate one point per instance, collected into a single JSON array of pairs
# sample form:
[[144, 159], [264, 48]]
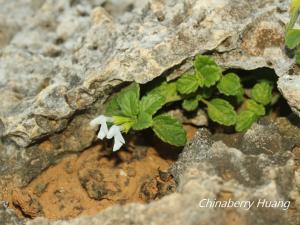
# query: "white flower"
[[101, 120], [115, 132]]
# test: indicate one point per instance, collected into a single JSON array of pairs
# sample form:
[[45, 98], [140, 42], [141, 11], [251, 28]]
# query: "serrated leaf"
[[112, 107], [203, 60], [230, 84], [245, 119], [151, 103], [168, 90], [128, 100], [292, 38], [210, 75], [186, 84], [255, 107], [144, 121], [262, 93], [221, 111], [169, 130], [190, 104]]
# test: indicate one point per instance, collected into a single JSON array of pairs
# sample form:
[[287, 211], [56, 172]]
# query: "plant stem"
[[203, 100]]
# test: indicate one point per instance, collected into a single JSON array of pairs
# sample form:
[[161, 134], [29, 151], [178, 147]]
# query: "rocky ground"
[[60, 60]]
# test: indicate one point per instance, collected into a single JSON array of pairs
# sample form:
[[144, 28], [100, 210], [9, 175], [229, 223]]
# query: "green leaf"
[[245, 119], [168, 90], [112, 107], [210, 75], [186, 84], [230, 84], [262, 92], [151, 103], [125, 122], [190, 104], [169, 130], [240, 95], [143, 121], [128, 100], [295, 5], [292, 38], [298, 57], [203, 60], [254, 107], [221, 111]]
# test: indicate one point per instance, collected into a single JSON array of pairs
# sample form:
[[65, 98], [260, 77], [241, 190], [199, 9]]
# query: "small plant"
[[292, 35], [222, 95]]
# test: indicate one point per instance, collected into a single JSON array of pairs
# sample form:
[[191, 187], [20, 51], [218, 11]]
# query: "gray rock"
[[7, 216], [266, 136], [290, 89]]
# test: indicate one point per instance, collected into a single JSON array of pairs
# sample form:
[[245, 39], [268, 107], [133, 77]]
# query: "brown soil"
[[93, 180], [88, 183]]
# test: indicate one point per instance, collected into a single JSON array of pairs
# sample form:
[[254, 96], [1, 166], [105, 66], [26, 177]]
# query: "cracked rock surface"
[[60, 60]]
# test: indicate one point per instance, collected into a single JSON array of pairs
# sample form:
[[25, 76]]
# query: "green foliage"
[[112, 107], [143, 121], [169, 130], [262, 93], [255, 107], [298, 56], [167, 90], [131, 112], [190, 104], [230, 84], [203, 85], [151, 103], [244, 120], [187, 83], [126, 122], [210, 75], [295, 5], [128, 100], [202, 61], [292, 36], [207, 71], [221, 111]]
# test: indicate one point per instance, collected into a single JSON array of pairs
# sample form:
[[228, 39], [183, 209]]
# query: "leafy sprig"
[[292, 35], [203, 86]]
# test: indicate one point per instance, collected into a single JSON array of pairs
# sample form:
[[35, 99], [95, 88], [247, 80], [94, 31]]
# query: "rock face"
[[60, 60], [7, 216], [209, 169]]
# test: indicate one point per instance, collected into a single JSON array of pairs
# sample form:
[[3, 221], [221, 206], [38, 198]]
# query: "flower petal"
[[120, 138], [117, 145], [113, 131], [103, 131], [98, 120]]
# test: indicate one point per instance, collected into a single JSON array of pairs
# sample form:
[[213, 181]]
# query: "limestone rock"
[[7, 216]]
